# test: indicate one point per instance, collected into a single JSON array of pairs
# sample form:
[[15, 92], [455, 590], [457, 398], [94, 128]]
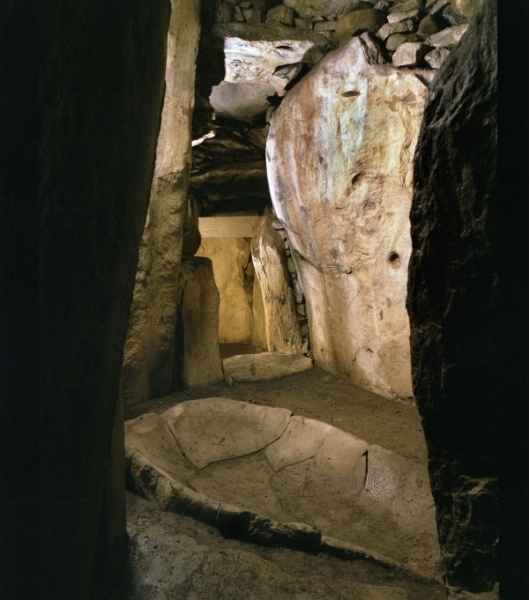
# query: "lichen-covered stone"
[[339, 158], [456, 304]]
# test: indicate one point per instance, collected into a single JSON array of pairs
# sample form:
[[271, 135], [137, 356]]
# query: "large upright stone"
[[198, 330], [80, 112], [149, 360], [339, 158], [282, 330], [465, 306]]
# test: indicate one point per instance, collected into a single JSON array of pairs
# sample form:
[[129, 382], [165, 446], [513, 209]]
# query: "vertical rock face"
[[460, 319], [198, 331], [282, 331], [232, 265], [80, 117], [149, 365], [339, 158]]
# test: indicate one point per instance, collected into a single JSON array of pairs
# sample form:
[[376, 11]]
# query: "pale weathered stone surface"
[[399, 27], [463, 273], [245, 467], [282, 331], [149, 355], [436, 57], [280, 14], [324, 8], [198, 329], [340, 172], [447, 38], [231, 259], [266, 365], [218, 429], [367, 19], [410, 54], [177, 558], [242, 101]]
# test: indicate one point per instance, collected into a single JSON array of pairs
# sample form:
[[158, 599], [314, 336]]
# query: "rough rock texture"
[[260, 62], [149, 362], [265, 365], [464, 367], [410, 54], [229, 170], [340, 171], [79, 124], [282, 330], [209, 566], [198, 330], [357, 22], [323, 8], [263, 474], [232, 266]]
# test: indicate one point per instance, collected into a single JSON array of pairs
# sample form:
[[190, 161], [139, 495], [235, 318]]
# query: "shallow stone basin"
[[264, 474]]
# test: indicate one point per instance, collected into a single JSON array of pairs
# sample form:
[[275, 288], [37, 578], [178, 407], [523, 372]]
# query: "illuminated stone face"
[[277, 478], [340, 165]]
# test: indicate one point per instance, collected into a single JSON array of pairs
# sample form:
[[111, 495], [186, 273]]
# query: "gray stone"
[[264, 366], [447, 38], [388, 29], [410, 54], [436, 57], [244, 101]]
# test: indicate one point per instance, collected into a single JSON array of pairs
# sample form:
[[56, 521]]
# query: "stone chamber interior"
[[277, 286]]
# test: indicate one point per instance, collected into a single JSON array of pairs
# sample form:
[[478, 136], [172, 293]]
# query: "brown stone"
[[436, 57], [447, 38], [324, 8]]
